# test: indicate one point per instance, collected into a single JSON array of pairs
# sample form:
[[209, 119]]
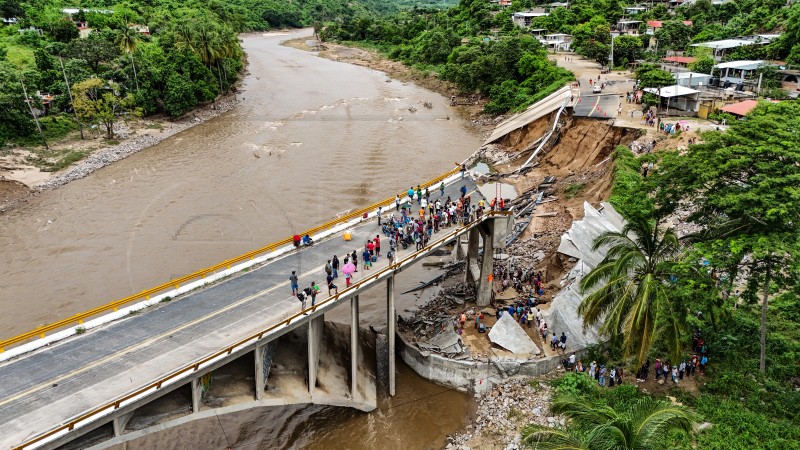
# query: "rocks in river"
[[504, 410]]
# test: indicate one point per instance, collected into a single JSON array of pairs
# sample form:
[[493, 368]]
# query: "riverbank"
[[469, 107], [131, 137]]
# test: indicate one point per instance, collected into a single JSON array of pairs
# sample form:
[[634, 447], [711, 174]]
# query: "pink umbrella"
[[348, 269]]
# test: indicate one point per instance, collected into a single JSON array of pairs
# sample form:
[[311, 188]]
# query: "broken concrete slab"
[[508, 334]]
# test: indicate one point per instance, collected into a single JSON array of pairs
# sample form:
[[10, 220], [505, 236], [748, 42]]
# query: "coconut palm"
[[128, 40], [591, 426], [632, 288]]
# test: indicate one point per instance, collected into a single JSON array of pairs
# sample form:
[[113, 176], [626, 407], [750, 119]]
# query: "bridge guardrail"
[[78, 319], [196, 365]]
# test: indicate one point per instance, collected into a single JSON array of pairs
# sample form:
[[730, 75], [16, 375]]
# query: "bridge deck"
[[47, 387]]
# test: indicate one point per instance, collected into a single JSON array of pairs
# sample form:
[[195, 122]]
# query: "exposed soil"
[[12, 193]]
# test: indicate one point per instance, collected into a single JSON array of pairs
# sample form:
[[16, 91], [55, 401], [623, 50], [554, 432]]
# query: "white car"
[[596, 89]]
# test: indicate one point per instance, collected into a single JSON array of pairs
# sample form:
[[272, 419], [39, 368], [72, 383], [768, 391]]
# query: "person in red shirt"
[[377, 241], [371, 248]]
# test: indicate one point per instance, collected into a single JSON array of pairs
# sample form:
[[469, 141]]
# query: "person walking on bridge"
[[293, 281], [397, 203], [441, 189], [335, 266], [377, 241], [463, 191], [333, 286]]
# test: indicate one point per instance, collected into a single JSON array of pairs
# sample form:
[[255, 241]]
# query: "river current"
[[310, 138]]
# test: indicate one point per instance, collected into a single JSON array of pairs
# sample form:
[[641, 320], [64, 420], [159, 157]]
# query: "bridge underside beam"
[[354, 346], [121, 422], [487, 263], [315, 330], [472, 267], [392, 324]]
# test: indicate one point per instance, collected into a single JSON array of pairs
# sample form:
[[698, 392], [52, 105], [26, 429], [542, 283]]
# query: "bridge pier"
[[353, 346], [471, 265], [486, 230], [263, 355], [392, 325], [315, 330], [121, 422], [197, 394]]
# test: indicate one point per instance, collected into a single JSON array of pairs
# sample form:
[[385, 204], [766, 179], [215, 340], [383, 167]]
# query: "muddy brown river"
[[310, 138]]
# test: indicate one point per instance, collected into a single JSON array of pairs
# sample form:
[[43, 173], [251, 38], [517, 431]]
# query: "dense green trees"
[[632, 286], [592, 425], [512, 70]]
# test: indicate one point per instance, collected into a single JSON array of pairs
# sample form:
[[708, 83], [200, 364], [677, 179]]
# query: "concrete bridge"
[[93, 374]]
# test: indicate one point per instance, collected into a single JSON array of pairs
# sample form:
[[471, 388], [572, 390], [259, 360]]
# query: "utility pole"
[[30, 108], [69, 91]]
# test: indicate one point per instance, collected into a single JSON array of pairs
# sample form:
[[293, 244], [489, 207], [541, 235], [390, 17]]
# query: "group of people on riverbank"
[[676, 371]]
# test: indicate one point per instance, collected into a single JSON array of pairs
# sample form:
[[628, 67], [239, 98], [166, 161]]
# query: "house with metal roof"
[[736, 72], [723, 46], [678, 97]]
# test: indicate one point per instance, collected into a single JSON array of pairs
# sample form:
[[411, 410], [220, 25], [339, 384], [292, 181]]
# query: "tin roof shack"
[[678, 97], [790, 81]]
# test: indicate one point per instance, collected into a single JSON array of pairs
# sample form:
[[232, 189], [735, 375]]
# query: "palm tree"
[[633, 283], [128, 39], [592, 426]]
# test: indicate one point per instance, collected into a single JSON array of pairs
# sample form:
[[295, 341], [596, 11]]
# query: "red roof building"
[[659, 24], [740, 109], [679, 59]]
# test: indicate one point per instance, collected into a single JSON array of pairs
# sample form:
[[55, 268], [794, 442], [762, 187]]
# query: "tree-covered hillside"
[[152, 56], [465, 44]]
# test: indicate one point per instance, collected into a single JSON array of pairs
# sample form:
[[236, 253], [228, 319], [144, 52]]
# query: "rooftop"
[[672, 91], [680, 59], [741, 65], [741, 108], [659, 23], [758, 39]]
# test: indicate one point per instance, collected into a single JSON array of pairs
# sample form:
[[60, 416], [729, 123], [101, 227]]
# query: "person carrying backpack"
[[302, 297]]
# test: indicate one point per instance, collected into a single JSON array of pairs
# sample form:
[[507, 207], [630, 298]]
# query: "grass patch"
[[166, 299], [80, 330], [53, 161], [112, 142], [54, 128], [574, 189]]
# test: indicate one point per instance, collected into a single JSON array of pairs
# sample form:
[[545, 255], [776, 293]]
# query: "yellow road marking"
[[594, 108], [152, 340]]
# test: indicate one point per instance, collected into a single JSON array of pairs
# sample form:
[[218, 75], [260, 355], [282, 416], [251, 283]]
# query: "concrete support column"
[[197, 394], [487, 264], [471, 264], [392, 323], [120, 423], [353, 346], [261, 381], [315, 328]]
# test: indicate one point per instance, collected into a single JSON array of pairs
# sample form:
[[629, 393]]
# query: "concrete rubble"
[[502, 413], [577, 242], [508, 334]]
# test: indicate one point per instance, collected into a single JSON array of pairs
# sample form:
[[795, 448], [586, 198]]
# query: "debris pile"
[[502, 413]]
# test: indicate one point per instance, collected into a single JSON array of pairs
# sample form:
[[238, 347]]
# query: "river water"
[[310, 138]]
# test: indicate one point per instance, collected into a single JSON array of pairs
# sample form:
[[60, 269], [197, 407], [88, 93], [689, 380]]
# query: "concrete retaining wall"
[[473, 376]]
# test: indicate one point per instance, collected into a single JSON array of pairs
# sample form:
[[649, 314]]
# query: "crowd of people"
[[676, 371], [403, 228]]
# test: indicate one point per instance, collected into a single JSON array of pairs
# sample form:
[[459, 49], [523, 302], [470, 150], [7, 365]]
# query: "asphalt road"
[[43, 389]]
